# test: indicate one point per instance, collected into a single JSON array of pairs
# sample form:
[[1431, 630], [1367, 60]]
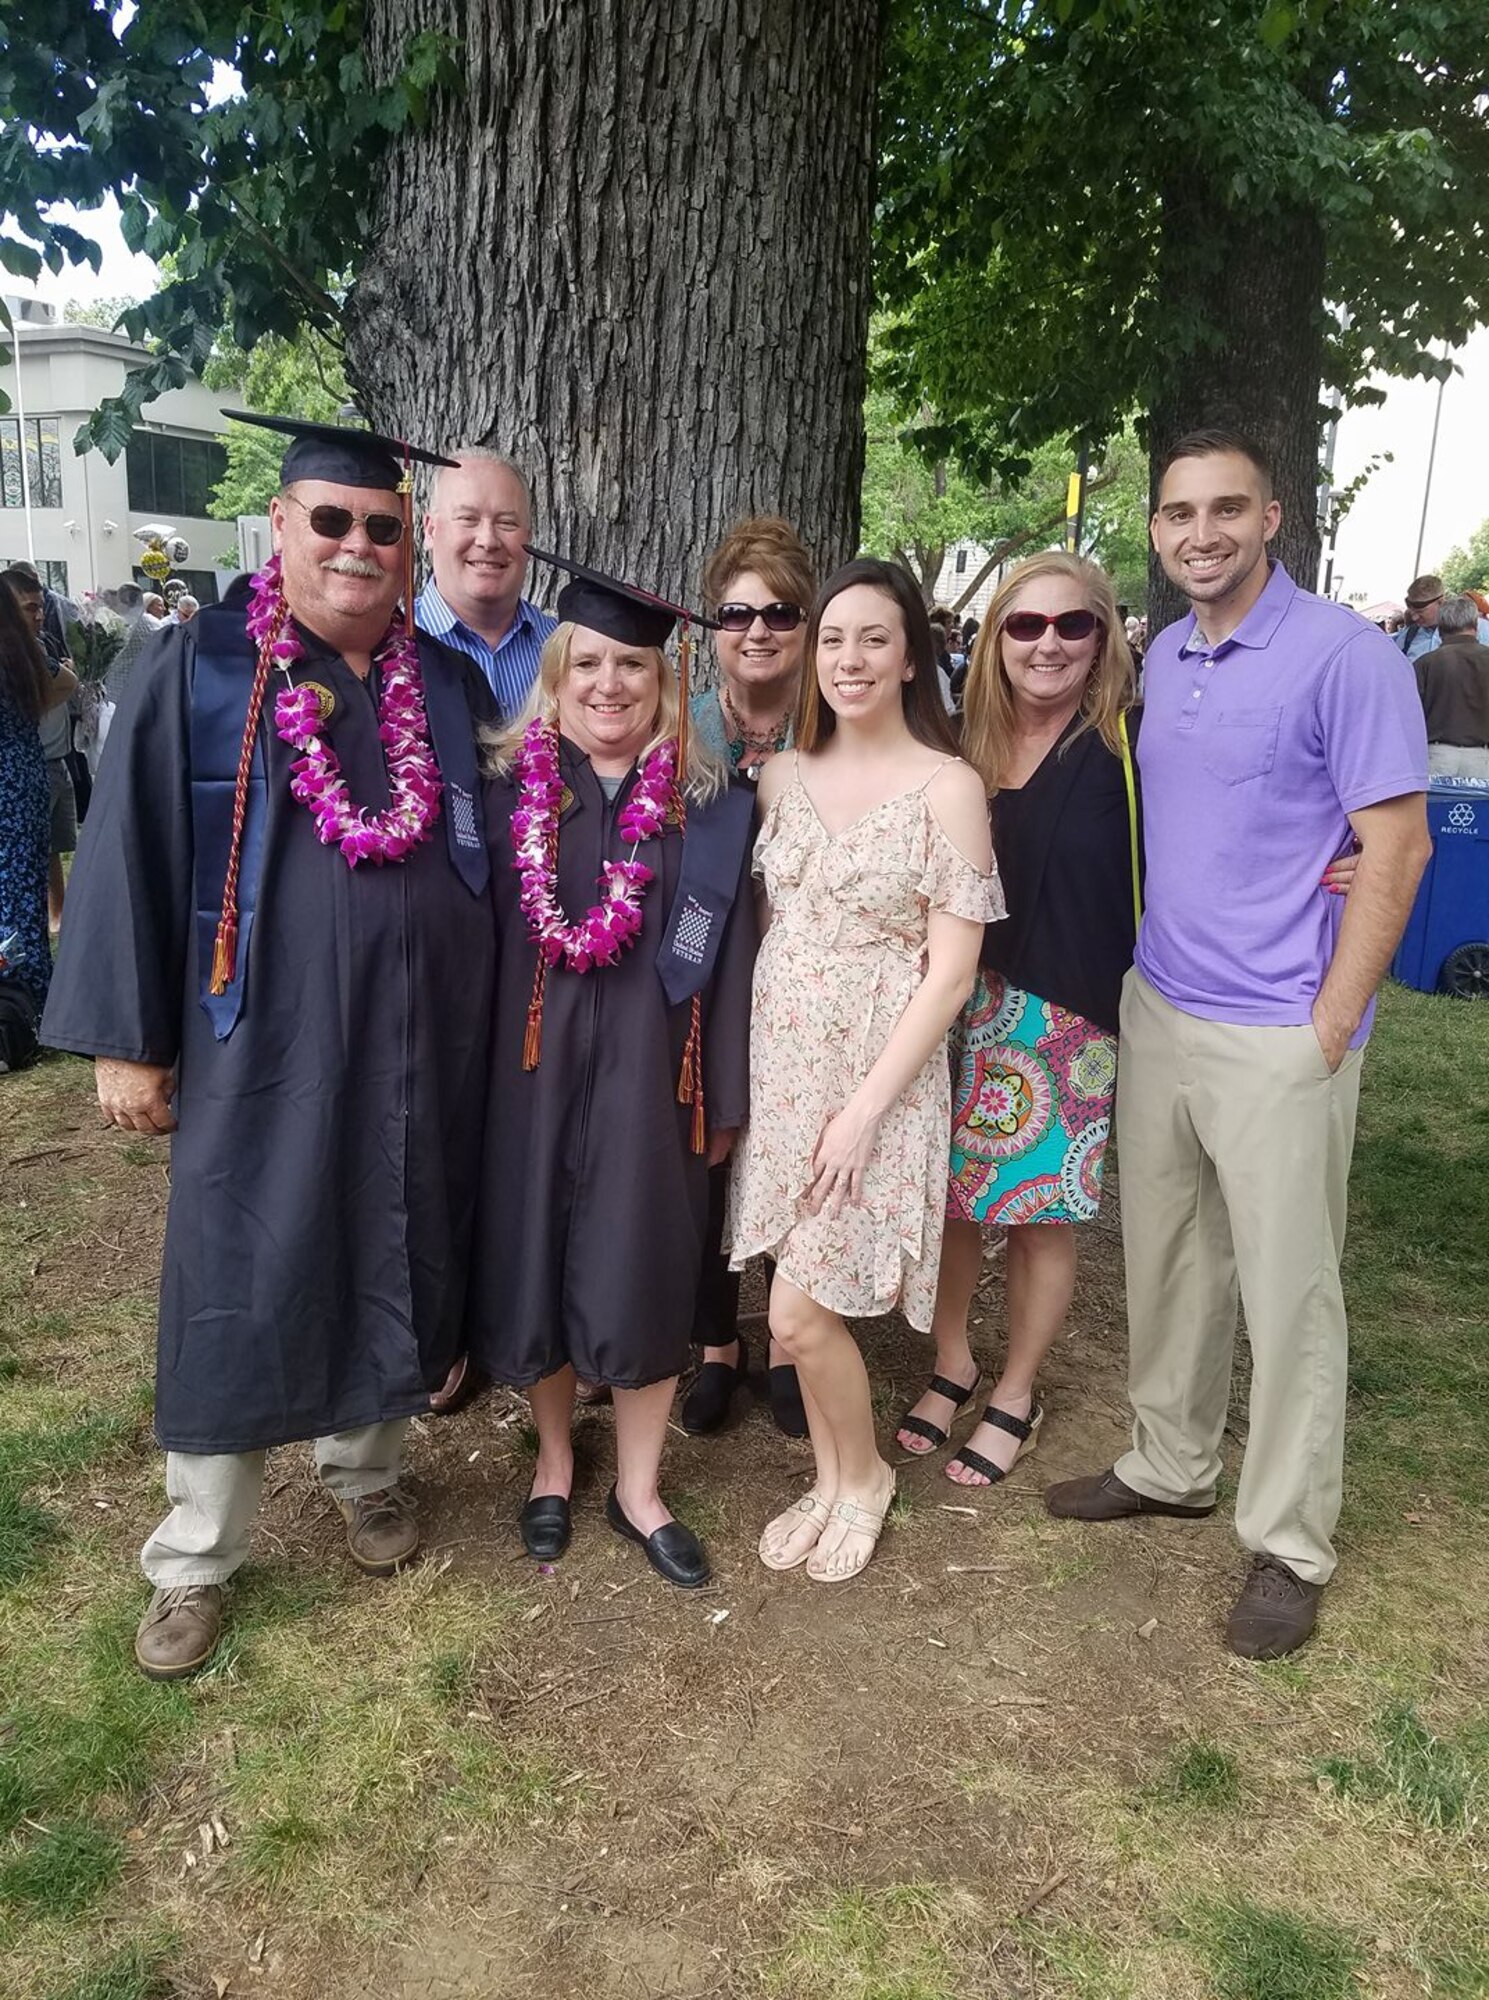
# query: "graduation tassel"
[[690, 1076], [532, 1039], [225, 943], [406, 489]]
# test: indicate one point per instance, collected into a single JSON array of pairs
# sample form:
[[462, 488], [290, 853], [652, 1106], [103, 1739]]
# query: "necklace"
[[612, 924], [749, 748], [315, 776]]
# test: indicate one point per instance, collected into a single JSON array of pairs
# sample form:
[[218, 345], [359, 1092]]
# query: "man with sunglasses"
[[279, 948], [1420, 633], [1277, 727]]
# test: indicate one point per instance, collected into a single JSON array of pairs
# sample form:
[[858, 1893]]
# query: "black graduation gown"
[[323, 1178], [593, 1205]]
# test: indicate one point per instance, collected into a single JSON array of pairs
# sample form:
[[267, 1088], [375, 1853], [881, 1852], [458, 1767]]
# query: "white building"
[[78, 526]]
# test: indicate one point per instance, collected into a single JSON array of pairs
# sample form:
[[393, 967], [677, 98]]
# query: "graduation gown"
[[323, 1176], [593, 1205]]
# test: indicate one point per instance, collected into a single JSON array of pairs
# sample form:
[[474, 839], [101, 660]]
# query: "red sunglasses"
[[1030, 626]]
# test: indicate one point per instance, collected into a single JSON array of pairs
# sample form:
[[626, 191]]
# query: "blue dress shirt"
[[511, 666]]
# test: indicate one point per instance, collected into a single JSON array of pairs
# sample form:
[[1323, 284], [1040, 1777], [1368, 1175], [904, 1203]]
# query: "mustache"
[[344, 565]]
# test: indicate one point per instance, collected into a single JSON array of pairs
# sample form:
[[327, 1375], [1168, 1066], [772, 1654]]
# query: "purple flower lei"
[[315, 776], [612, 924]]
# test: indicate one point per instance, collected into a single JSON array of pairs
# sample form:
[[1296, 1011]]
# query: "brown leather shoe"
[[381, 1531], [1274, 1614], [1102, 1496], [462, 1385], [179, 1632]]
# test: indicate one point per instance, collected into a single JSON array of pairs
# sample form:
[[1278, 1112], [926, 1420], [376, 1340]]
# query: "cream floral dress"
[[845, 950]]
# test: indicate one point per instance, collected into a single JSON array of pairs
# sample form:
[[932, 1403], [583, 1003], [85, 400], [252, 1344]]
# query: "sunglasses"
[[778, 617], [1029, 626], [385, 531]]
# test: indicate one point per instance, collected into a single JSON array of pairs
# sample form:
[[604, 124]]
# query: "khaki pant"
[[214, 1497], [1234, 1146], [1448, 760]]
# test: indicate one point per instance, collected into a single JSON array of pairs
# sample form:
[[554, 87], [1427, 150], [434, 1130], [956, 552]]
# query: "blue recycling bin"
[[1445, 946]]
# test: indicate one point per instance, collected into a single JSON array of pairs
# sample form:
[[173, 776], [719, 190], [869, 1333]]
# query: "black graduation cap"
[[619, 610], [339, 454]]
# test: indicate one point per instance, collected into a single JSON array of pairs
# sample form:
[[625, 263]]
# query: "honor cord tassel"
[[225, 943]]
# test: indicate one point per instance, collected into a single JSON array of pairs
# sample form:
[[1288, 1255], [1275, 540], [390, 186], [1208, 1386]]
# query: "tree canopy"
[[1468, 568]]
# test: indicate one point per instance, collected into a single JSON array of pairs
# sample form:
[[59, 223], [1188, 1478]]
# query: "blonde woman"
[[878, 875], [626, 935]]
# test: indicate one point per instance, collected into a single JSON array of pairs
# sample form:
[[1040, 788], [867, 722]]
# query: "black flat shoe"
[[673, 1551], [706, 1405], [786, 1405], [546, 1525]]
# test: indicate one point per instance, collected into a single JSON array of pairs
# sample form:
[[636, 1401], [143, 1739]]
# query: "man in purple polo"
[[1276, 726]]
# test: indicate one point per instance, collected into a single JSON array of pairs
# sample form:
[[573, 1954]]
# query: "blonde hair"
[[705, 776], [987, 701]]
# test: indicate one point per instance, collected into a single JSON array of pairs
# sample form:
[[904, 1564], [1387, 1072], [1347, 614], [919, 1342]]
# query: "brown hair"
[[771, 548], [987, 700], [1212, 443], [925, 712], [24, 674], [705, 776]]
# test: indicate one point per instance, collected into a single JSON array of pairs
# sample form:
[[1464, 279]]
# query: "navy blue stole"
[[713, 851], [222, 678]]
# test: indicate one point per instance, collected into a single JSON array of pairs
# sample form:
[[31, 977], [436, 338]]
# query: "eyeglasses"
[[1422, 603], [385, 531], [1029, 626], [778, 617]]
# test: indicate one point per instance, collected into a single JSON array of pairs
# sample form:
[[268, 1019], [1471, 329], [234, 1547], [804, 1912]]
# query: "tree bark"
[[1254, 285], [634, 255]]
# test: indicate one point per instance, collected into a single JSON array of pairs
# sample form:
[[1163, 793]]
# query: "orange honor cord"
[[690, 1076], [406, 490], [225, 944]]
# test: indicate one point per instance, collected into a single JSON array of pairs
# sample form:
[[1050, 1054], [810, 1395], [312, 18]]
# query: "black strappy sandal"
[[1023, 1428], [923, 1427]]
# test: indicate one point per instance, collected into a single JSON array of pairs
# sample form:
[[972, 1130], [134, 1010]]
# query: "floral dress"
[[845, 951], [25, 847]]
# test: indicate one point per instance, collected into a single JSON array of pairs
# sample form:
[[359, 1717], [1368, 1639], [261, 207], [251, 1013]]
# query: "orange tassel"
[[532, 1040], [224, 955], [690, 1077]]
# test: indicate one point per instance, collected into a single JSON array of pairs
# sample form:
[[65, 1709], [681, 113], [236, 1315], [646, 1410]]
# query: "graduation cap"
[[340, 454], [619, 610]]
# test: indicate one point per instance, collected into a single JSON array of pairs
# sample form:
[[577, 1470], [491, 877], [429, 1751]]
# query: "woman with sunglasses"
[[878, 875], [757, 584], [1034, 1054]]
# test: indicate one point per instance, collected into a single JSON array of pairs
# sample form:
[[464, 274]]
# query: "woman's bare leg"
[[640, 1433], [1038, 1286], [956, 1287]]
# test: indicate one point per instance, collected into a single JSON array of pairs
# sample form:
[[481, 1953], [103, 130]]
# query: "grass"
[[1256, 1953], [389, 1764], [1433, 1781]]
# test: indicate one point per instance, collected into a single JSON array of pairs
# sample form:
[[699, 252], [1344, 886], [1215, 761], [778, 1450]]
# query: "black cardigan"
[[1065, 858]]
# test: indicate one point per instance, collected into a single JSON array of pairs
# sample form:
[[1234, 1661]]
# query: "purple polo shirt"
[[1252, 754]]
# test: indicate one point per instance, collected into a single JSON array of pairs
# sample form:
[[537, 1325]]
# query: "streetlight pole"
[[1442, 383]]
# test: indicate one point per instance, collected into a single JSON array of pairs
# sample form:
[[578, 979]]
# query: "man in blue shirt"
[[1423, 604], [479, 520]]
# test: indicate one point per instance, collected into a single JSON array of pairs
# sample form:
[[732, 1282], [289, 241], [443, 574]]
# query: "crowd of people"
[[507, 995]]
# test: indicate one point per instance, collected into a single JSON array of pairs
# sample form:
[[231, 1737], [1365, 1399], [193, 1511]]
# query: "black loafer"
[[673, 1551], [546, 1526], [786, 1405], [710, 1393]]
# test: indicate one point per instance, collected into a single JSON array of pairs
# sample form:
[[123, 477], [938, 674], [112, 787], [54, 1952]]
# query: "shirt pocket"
[[1243, 744]]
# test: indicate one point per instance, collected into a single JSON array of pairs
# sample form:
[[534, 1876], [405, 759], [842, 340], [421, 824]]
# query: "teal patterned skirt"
[[1031, 1108]]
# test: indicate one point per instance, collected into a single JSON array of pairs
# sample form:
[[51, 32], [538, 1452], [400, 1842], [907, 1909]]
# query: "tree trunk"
[[1259, 278], [634, 255]]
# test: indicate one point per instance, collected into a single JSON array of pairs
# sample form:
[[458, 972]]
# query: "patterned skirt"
[[1031, 1108]]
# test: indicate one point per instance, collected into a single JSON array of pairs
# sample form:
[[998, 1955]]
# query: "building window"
[[52, 574], [43, 462], [172, 476], [203, 584], [961, 562]]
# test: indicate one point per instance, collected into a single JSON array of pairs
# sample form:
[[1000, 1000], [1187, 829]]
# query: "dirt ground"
[[975, 1715]]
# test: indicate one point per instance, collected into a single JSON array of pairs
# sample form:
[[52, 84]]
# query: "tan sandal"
[[813, 1508], [856, 1519]]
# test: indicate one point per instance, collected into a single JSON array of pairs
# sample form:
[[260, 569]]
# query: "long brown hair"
[[24, 673], [925, 712], [988, 723]]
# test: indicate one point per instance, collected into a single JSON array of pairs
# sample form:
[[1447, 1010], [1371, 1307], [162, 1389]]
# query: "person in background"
[[476, 531], [1276, 725], [757, 586], [1421, 630], [186, 608], [1034, 1053], [620, 1053], [878, 877], [56, 741], [1453, 682], [28, 688]]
